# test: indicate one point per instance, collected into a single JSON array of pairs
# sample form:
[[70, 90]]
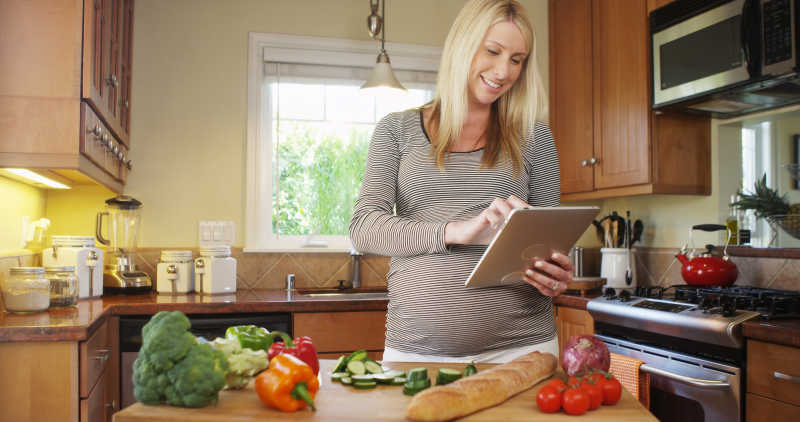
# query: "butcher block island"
[[337, 402]]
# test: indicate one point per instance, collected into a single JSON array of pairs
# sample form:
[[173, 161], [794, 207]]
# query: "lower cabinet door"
[[767, 410], [93, 408]]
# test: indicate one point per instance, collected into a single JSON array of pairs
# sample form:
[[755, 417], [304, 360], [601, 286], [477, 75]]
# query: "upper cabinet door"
[[96, 60], [621, 94], [126, 50], [571, 91]]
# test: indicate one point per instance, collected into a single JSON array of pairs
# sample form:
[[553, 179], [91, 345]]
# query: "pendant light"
[[382, 77]]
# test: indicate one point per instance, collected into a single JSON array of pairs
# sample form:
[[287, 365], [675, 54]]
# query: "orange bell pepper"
[[289, 384]]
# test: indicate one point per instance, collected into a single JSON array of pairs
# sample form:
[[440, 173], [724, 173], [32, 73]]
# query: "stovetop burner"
[[770, 303]]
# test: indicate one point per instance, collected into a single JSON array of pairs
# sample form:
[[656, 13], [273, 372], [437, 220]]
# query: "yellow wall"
[[72, 212], [189, 100], [17, 200]]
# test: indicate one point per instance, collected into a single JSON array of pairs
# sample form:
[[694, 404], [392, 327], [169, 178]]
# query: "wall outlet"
[[216, 233]]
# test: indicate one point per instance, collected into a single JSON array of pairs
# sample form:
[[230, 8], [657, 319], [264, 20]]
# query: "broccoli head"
[[173, 367]]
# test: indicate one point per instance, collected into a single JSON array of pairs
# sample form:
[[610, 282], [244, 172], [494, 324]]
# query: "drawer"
[[342, 332], [100, 146], [773, 371], [93, 407], [762, 409], [94, 353]]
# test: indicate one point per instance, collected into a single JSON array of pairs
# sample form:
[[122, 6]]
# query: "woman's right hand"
[[480, 230]]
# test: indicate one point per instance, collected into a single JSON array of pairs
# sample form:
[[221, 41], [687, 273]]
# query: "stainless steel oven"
[[684, 387], [690, 341]]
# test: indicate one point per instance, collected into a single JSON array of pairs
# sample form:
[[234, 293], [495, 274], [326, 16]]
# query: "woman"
[[454, 169]]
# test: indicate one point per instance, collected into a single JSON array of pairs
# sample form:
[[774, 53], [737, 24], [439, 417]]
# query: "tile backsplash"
[[258, 271]]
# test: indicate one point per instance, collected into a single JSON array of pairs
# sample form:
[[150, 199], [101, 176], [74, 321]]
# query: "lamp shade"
[[382, 76]]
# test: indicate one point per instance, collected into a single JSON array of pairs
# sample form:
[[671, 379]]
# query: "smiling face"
[[497, 64]]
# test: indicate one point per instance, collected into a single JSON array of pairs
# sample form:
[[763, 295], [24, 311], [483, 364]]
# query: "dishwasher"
[[203, 325]]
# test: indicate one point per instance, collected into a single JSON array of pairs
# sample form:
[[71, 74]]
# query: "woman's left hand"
[[550, 277]]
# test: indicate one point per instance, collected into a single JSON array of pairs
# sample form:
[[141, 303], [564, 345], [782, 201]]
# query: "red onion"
[[584, 352]]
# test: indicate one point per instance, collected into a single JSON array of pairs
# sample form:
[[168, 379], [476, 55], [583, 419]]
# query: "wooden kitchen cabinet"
[[773, 382], [65, 88], [338, 333], [62, 381], [610, 143], [571, 322]]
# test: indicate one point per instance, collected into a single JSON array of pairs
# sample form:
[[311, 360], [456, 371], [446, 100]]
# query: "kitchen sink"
[[344, 294]]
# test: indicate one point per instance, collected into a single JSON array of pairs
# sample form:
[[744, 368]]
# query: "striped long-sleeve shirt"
[[430, 311]]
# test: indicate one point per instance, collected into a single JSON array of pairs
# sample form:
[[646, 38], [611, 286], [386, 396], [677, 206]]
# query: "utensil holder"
[[614, 266]]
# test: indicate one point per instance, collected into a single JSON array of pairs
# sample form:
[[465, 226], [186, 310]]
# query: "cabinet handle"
[[584, 163], [112, 405], [593, 161], [129, 164], [109, 142], [105, 141], [124, 103], [113, 81], [96, 131], [787, 377], [119, 155], [103, 355], [115, 149], [658, 112]]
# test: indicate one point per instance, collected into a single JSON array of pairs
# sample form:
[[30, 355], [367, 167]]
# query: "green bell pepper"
[[250, 336]]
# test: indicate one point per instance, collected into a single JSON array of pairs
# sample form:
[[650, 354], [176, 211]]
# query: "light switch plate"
[[216, 233]]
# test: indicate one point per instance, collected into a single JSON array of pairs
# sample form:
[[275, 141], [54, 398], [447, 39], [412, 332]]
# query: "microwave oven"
[[725, 58]]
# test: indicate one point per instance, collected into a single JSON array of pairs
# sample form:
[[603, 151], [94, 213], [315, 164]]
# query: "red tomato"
[[558, 383], [596, 377], [595, 394], [576, 401], [549, 399], [612, 390], [573, 381]]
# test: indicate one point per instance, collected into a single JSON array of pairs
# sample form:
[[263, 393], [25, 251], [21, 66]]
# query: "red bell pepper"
[[300, 347]]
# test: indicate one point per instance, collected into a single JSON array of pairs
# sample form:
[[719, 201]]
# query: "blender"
[[119, 269]]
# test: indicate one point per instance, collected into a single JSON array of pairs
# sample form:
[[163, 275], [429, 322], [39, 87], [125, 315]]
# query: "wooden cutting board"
[[336, 402]]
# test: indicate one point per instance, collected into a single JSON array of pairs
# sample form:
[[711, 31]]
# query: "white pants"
[[493, 356]]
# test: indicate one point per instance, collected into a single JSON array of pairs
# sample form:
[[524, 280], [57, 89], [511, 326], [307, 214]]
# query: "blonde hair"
[[513, 113]]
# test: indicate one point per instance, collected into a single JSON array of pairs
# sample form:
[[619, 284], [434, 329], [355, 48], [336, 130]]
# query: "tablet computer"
[[528, 233]]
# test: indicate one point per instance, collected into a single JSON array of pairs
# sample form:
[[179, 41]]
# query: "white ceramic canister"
[[615, 266], [78, 252], [215, 270], [175, 272]]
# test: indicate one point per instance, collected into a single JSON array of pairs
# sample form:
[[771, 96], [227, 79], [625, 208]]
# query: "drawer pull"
[[787, 377], [103, 355]]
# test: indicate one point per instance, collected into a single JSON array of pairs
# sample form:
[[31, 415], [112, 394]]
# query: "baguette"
[[484, 389]]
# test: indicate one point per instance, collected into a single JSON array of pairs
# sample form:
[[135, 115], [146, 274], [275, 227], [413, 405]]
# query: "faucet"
[[290, 283], [355, 267]]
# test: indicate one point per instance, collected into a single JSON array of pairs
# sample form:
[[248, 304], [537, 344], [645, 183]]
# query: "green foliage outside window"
[[319, 173]]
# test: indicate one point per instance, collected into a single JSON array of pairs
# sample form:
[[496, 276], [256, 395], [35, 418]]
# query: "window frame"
[[266, 47]]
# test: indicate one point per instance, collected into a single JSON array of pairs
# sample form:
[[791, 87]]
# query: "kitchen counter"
[[336, 402], [782, 331], [74, 324]]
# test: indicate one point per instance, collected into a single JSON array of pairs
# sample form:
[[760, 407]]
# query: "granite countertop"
[[781, 331], [75, 323]]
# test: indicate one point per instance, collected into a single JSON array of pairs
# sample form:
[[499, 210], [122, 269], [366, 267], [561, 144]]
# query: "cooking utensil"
[[628, 274], [705, 269], [638, 228]]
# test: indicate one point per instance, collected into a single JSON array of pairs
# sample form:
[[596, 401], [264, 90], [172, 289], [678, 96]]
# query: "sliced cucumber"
[[364, 385], [358, 356], [399, 380], [340, 364], [372, 367], [470, 370], [446, 376], [384, 378], [413, 387], [395, 373], [336, 376], [417, 374], [346, 380], [356, 367], [366, 377]]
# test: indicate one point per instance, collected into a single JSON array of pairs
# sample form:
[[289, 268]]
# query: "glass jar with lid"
[[26, 290], [63, 285]]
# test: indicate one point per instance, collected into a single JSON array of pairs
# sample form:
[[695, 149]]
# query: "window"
[[309, 128], [757, 160]]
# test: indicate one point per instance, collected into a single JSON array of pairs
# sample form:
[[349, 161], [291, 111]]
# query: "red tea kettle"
[[705, 269]]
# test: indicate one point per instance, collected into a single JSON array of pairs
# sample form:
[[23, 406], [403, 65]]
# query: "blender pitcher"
[[122, 228]]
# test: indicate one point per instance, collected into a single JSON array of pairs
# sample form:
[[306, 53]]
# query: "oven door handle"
[[696, 382]]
